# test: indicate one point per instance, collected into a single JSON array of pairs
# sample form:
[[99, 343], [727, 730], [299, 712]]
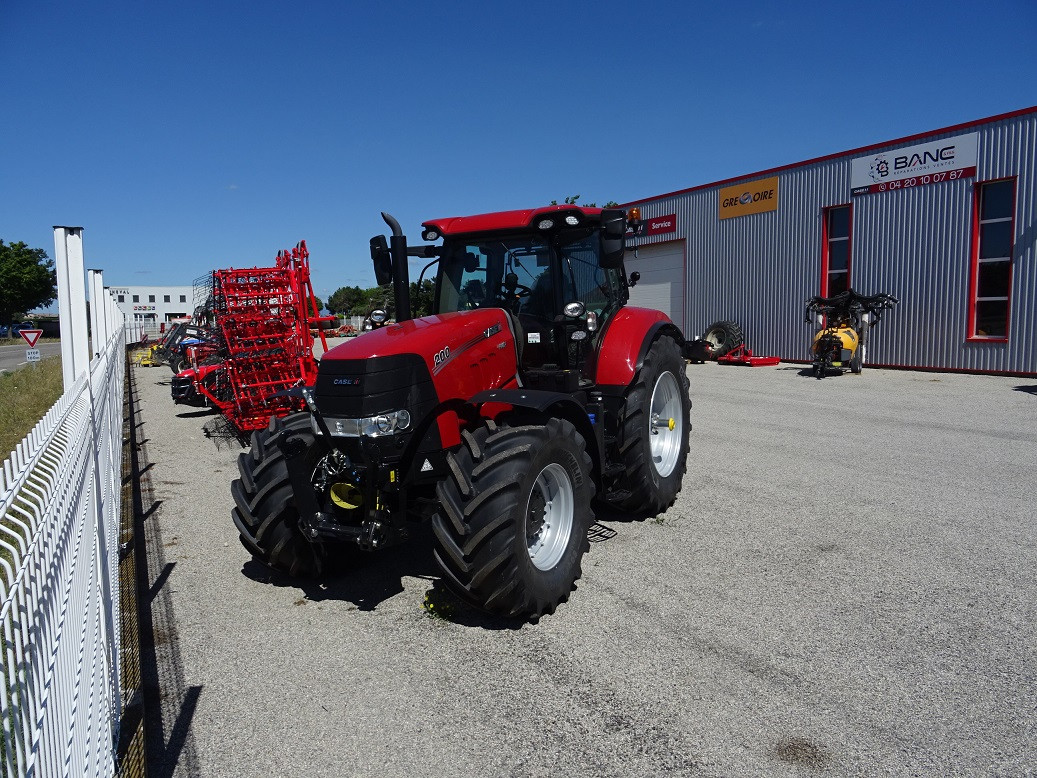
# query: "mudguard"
[[626, 341]]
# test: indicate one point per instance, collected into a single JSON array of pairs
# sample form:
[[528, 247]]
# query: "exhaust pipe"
[[400, 271]]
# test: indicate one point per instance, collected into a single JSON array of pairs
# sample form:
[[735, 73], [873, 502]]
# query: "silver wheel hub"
[[666, 424], [549, 516]]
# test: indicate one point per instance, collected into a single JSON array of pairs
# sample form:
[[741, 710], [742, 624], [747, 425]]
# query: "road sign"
[[31, 336], [32, 355]]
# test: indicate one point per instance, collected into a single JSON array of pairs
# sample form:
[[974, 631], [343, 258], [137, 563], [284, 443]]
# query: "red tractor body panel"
[[622, 342], [503, 220], [465, 352]]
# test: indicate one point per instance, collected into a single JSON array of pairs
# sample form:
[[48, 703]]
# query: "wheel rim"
[[549, 517], [715, 338], [665, 424]]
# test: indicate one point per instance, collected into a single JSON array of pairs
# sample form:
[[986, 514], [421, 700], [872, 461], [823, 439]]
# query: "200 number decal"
[[441, 356]]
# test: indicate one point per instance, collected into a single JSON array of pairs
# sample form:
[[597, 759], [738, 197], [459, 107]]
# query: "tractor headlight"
[[369, 426], [545, 224], [379, 316], [571, 220]]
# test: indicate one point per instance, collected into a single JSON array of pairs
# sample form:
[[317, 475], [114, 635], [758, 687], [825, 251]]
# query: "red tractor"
[[532, 393]]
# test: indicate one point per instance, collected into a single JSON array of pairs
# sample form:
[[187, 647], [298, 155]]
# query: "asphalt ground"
[[12, 353], [845, 586]]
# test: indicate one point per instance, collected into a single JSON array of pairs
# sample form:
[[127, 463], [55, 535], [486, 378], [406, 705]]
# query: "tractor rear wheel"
[[264, 511], [723, 337], [512, 528], [656, 429]]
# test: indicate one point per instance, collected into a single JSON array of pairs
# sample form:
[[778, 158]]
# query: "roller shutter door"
[[662, 278]]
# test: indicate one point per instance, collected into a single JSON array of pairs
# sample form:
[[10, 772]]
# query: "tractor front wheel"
[[512, 528], [656, 429], [264, 505]]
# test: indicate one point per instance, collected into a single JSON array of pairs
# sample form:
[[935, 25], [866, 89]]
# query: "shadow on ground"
[[368, 579]]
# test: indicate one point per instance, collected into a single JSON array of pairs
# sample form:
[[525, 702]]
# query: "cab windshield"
[[530, 274]]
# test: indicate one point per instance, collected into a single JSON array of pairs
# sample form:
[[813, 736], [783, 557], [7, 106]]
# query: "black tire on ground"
[[724, 337], [264, 511], [654, 451], [857, 360], [512, 528]]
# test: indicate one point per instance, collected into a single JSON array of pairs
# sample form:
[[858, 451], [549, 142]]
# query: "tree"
[[347, 301], [27, 280], [421, 300]]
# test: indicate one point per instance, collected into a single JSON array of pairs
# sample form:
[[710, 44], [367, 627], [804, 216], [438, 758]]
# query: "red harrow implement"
[[262, 321]]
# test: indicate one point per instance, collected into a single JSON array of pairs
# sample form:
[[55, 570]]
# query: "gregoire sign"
[[927, 163], [743, 199]]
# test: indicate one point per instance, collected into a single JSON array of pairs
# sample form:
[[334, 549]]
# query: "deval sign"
[[927, 163]]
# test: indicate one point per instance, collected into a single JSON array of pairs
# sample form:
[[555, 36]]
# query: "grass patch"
[[439, 605], [25, 396]]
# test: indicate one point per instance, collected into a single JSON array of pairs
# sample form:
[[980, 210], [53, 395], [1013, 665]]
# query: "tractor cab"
[[557, 272]]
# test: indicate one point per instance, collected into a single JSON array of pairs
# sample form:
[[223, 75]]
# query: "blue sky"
[[186, 136]]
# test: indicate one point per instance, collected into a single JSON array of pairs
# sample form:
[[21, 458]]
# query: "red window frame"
[[826, 245], [970, 335]]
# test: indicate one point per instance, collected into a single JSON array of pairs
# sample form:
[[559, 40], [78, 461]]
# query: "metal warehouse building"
[[943, 220]]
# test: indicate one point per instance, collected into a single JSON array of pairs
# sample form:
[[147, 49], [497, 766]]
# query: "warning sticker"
[[427, 467], [532, 337]]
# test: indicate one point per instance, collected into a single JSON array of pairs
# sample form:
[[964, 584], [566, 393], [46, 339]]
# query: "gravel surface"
[[844, 587]]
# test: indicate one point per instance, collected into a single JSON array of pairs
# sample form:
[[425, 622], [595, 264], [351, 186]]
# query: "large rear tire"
[[512, 528], [264, 503], [723, 337], [656, 430]]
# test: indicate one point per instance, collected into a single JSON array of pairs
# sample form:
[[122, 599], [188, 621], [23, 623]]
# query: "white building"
[[153, 307]]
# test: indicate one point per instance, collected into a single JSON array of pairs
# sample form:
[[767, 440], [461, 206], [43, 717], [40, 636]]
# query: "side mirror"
[[613, 240], [382, 260]]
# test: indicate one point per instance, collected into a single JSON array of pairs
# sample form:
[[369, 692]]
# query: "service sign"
[[754, 197], [926, 163], [660, 225]]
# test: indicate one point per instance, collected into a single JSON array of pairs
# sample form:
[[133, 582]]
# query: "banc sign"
[[743, 199]]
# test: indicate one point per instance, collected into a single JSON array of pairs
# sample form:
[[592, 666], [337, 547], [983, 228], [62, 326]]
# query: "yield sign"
[[31, 336]]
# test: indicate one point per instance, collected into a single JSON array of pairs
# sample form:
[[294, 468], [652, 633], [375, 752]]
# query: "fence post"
[[75, 349], [98, 315]]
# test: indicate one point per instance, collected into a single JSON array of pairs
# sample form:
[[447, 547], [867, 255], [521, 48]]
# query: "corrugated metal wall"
[[759, 269]]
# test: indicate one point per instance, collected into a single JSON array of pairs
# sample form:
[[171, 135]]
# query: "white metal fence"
[[60, 508]]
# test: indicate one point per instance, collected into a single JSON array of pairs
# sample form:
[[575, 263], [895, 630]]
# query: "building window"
[[136, 298], [151, 298], [183, 298], [165, 298], [992, 243], [835, 262], [122, 298]]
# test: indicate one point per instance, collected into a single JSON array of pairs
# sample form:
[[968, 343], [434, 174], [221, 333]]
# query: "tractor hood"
[[463, 353]]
